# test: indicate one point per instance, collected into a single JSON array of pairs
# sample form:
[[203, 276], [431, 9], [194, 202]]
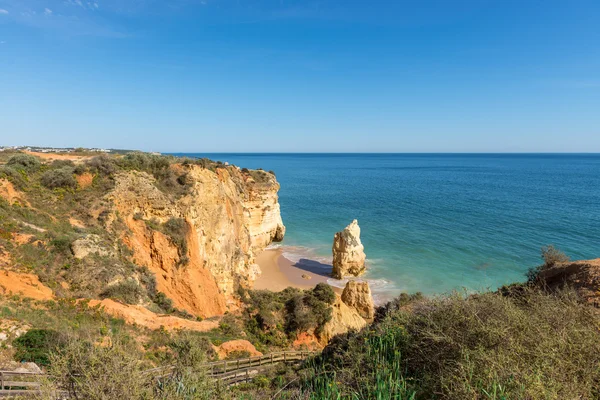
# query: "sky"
[[301, 76]]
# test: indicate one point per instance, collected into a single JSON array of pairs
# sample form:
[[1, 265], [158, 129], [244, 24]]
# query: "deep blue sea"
[[437, 222]]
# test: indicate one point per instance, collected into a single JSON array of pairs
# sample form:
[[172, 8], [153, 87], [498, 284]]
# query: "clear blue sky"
[[246, 75]]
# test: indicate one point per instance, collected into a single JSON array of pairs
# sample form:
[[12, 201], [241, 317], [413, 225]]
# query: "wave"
[[383, 290]]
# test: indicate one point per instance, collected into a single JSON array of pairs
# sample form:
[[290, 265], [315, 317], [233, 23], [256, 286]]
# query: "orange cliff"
[[230, 217]]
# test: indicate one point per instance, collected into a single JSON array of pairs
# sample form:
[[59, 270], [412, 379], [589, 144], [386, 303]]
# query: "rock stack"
[[348, 252]]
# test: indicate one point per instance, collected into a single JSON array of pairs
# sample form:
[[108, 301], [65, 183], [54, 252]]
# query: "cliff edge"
[[202, 245]]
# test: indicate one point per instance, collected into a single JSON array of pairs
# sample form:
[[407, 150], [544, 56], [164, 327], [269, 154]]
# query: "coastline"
[[279, 273]]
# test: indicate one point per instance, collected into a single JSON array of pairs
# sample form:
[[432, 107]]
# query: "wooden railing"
[[19, 383], [242, 369], [229, 372]]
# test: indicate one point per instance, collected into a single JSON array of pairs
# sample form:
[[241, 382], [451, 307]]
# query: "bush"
[[19, 179], [62, 163], [551, 256], [162, 301], [24, 161], [36, 346], [59, 178], [89, 371], [324, 293], [127, 291], [102, 164], [61, 245]]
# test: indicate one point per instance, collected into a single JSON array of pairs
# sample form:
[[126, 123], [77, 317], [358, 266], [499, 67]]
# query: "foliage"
[[102, 164], [323, 292], [532, 345], [24, 161], [128, 291], [274, 318], [90, 371], [36, 345], [59, 178], [177, 230], [551, 256]]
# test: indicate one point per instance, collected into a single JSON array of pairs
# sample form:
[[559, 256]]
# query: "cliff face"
[[229, 216]]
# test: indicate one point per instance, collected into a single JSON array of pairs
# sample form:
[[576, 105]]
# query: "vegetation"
[[530, 345], [275, 318], [24, 161], [551, 256], [128, 292], [36, 345], [59, 178]]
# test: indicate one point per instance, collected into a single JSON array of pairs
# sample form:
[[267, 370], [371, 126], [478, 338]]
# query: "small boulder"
[[358, 296], [90, 244], [348, 252]]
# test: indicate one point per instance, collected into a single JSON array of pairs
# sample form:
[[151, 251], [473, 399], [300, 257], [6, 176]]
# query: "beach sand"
[[279, 273]]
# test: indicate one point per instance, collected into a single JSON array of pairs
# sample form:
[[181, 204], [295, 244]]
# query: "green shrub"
[[177, 229], [89, 371], [324, 293], [62, 163], [59, 178], [61, 245], [17, 177], [148, 279], [127, 291], [274, 315], [102, 164], [36, 345], [162, 301], [24, 161], [551, 256]]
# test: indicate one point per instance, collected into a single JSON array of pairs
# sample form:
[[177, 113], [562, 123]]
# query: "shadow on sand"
[[314, 267]]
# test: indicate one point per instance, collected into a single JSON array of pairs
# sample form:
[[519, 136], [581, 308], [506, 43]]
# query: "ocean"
[[434, 223]]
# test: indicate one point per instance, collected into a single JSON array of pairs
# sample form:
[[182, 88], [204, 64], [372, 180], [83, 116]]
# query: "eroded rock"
[[358, 296], [233, 347], [348, 252], [343, 319], [90, 244]]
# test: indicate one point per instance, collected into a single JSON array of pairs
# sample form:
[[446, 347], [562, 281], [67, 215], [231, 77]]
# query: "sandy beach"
[[279, 273]]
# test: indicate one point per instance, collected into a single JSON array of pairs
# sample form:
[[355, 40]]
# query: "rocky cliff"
[[225, 217], [348, 252]]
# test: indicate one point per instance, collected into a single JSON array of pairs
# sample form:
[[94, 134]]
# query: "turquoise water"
[[437, 222]]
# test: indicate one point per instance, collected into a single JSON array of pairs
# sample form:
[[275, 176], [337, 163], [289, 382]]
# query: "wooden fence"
[[229, 372], [19, 383]]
